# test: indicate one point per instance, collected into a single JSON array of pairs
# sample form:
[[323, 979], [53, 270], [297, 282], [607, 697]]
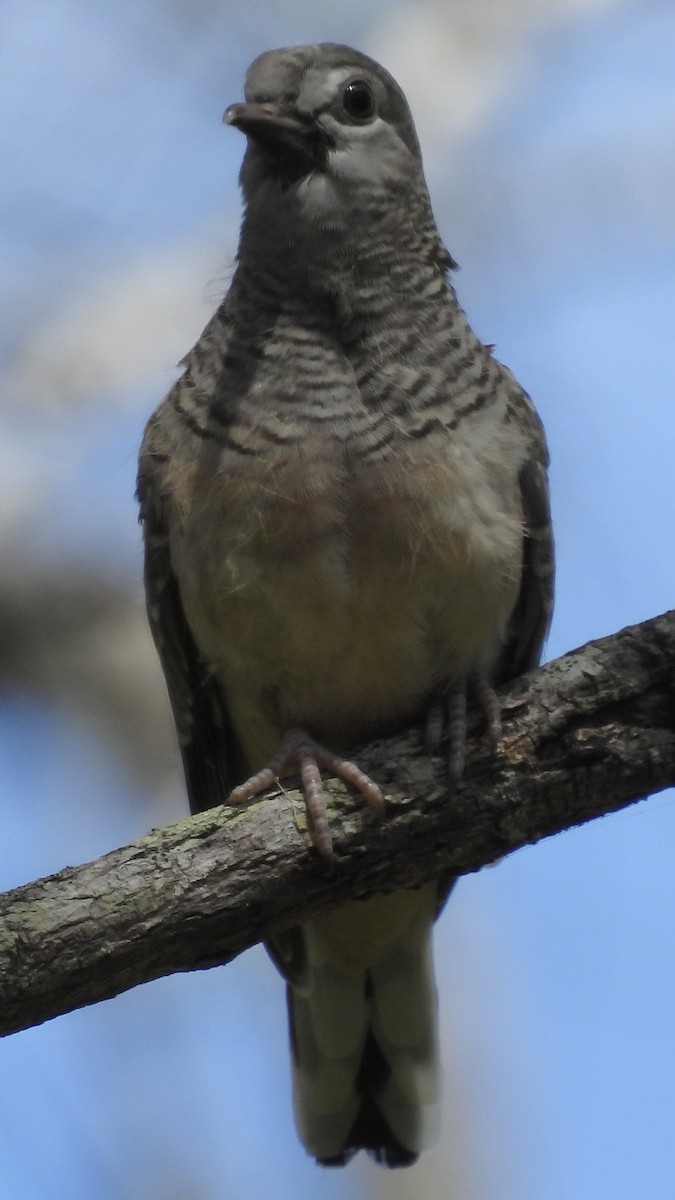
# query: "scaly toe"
[[492, 710], [300, 754], [451, 713], [456, 715]]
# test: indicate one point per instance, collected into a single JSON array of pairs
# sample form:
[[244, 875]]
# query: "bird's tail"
[[364, 1043]]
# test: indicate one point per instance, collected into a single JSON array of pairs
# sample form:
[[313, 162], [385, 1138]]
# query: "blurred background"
[[549, 136]]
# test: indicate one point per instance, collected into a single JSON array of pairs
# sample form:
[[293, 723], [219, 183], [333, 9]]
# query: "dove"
[[347, 531]]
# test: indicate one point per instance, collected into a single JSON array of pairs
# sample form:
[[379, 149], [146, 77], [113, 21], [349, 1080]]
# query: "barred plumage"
[[347, 528]]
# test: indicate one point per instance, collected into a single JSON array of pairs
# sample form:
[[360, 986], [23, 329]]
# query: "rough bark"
[[583, 736]]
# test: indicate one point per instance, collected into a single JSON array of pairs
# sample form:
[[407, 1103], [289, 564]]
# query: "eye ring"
[[358, 101]]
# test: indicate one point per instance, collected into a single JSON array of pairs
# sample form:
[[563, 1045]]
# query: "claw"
[[300, 754]]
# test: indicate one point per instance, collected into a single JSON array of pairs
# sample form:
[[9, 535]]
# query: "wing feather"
[[211, 756]]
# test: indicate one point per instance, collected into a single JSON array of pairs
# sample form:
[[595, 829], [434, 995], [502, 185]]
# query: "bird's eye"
[[358, 101]]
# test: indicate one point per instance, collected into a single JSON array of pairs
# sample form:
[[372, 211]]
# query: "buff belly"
[[341, 608]]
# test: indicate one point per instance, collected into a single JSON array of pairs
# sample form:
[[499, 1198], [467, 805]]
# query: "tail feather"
[[405, 1026], [328, 1027], [370, 1131], [364, 1048]]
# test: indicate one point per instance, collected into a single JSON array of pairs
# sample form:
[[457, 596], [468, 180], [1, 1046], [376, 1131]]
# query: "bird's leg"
[[449, 714], [300, 754]]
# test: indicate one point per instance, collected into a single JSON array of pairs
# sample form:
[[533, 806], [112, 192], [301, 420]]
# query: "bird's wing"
[[532, 613], [208, 746], [531, 616]]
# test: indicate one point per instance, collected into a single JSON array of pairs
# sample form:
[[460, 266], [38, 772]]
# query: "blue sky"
[[553, 185]]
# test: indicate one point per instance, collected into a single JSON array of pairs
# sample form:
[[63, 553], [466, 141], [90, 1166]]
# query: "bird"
[[347, 531]]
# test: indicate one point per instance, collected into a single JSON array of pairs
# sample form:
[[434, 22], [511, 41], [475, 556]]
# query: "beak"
[[283, 135]]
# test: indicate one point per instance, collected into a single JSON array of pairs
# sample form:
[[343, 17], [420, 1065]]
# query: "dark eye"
[[358, 101]]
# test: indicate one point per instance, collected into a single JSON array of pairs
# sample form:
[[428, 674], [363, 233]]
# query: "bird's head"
[[324, 115]]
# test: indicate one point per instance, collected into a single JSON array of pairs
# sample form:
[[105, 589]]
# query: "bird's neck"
[[374, 301], [375, 286], [325, 244]]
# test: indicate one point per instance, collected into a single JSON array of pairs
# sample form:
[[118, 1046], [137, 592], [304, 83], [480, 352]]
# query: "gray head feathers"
[[325, 110]]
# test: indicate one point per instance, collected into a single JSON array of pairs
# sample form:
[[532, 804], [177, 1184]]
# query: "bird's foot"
[[301, 755], [449, 715]]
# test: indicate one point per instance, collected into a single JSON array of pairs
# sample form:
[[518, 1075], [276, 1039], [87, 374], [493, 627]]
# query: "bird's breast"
[[338, 595]]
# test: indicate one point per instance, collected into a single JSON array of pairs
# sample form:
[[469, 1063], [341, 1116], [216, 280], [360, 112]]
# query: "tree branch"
[[583, 736]]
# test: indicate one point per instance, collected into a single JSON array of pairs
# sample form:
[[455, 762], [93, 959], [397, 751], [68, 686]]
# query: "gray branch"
[[583, 736]]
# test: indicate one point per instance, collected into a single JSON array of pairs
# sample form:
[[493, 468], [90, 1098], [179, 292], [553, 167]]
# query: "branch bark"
[[583, 736]]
